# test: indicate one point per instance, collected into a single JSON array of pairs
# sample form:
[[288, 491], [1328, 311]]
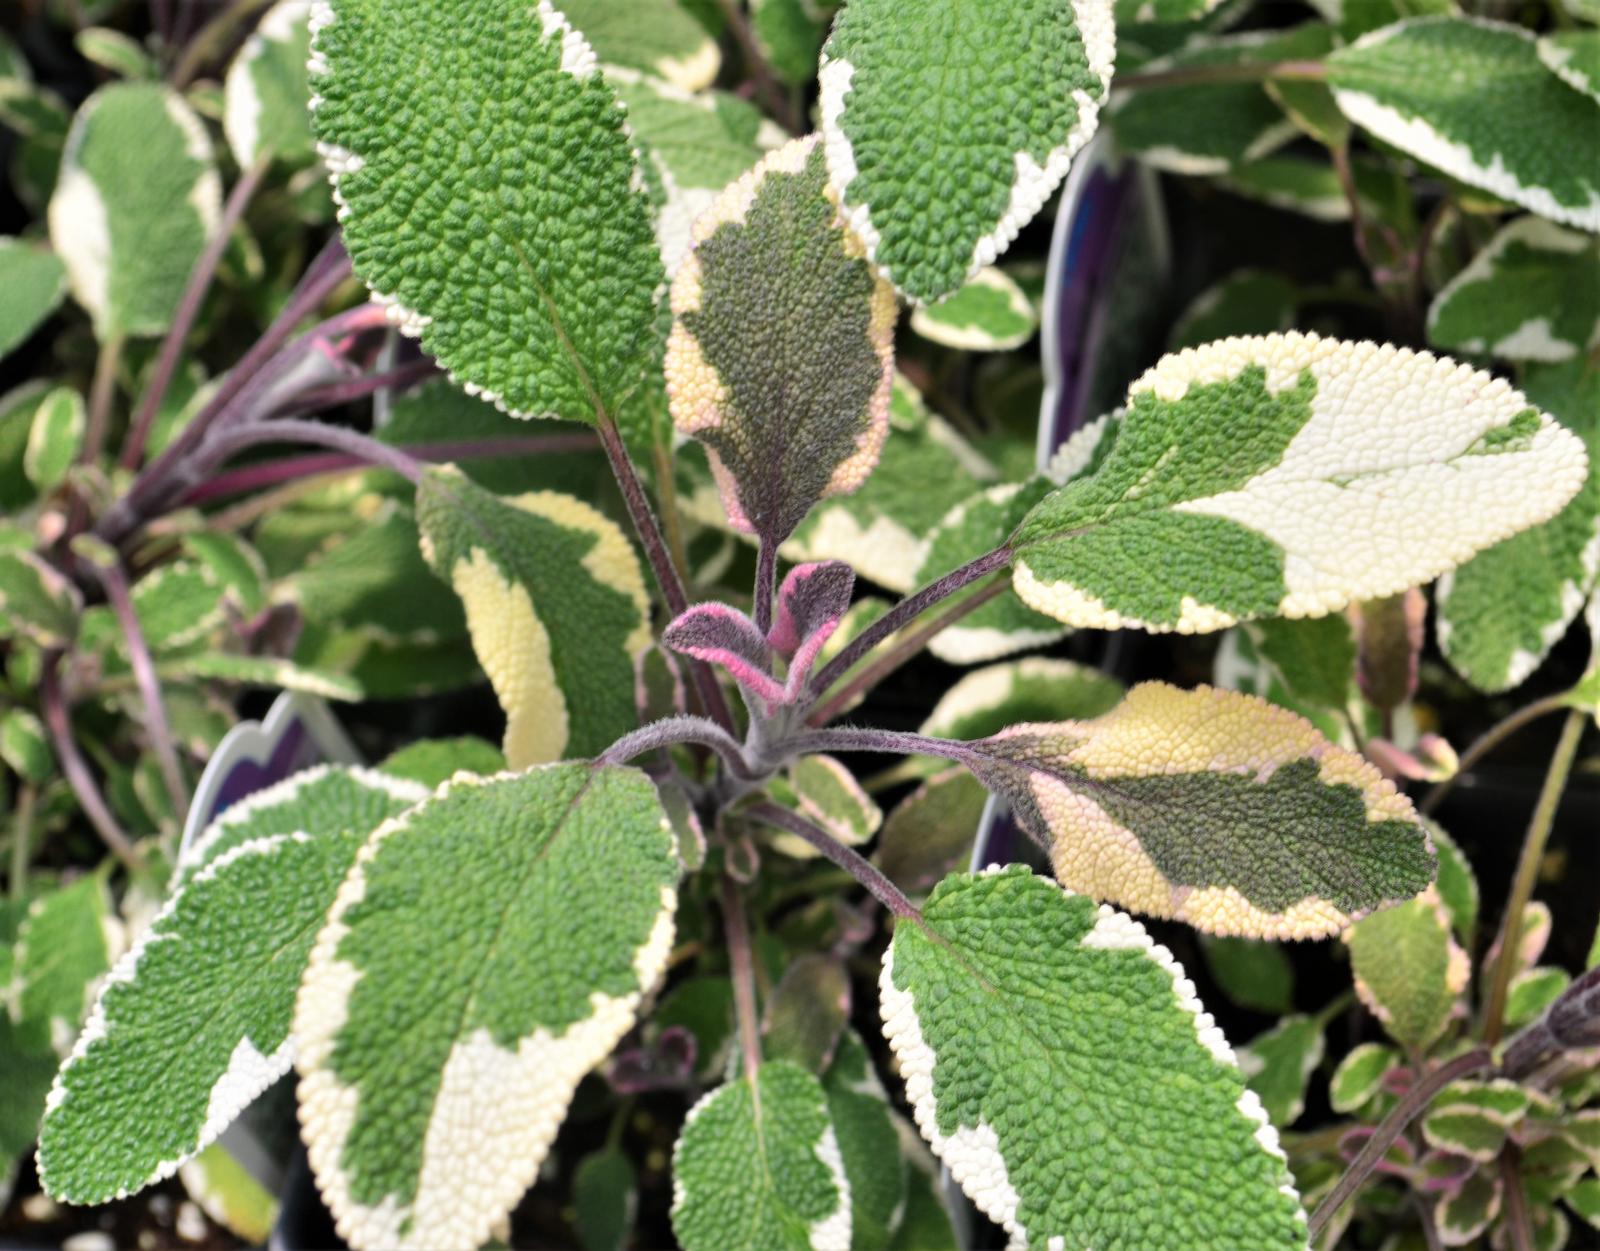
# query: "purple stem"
[[851, 861], [1571, 1023], [200, 278], [54, 707], [894, 742], [907, 609], [741, 965], [672, 730], [336, 393], [766, 578], [320, 434], [144, 676]]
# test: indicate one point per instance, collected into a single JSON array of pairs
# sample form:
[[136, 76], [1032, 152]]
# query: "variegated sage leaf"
[[137, 197], [781, 357], [193, 1022], [1360, 1076], [757, 1168], [488, 948], [1278, 476], [824, 791], [487, 190], [556, 605], [656, 37], [1472, 98], [988, 313], [55, 437], [34, 281], [1037, 688], [1278, 1065], [265, 92], [1533, 294], [67, 941], [1574, 55], [1215, 808], [36, 600], [1006, 93], [1061, 1066], [1408, 969]]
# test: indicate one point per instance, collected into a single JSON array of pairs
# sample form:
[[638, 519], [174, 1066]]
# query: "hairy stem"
[[53, 705], [1412, 1104], [1571, 1023], [766, 580], [1204, 75], [742, 967], [895, 742], [1486, 743], [334, 394], [1527, 875], [149, 686], [903, 650], [664, 733], [908, 609], [1517, 1219], [667, 501], [847, 858], [200, 278]]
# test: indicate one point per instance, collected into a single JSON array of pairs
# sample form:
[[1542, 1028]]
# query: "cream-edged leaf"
[[488, 948], [489, 195], [1214, 808], [781, 357], [1574, 56], [868, 1144], [656, 37], [556, 606], [193, 1022], [1408, 969], [989, 313], [1061, 1066], [1005, 93], [265, 92], [67, 941], [1279, 476], [1360, 1076], [55, 438], [1037, 688], [1278, 1065]]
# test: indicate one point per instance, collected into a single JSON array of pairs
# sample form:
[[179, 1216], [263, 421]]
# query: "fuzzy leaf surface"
[[1408, 969]]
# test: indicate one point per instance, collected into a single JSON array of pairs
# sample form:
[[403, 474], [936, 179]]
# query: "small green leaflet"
[[1061, 1066], [653, 36], [1472, 98], [1278, 1064], [1472, 1118], [137, 198], [1574, 55], [930, 833], [487, 191], [1247, 301], [435, 760], [868, 1143], [110, 49], [555, 603], [1216, 808], [805, 1015], [904, 78], [1271, 476], [267, 671], [34, 281], [790, 408], [1464, 1213], [55, 437], [1254, 974], [1037, 688], [265, 92], [1457, 885], [989, 313], [193, 1023], [36, 601], [67, 941], [488, 949], [1532, 991], [822, 790], [757, 1168], [1533, 294], [230, 1195], [789, 34], [1408, 969], [1314, 657], [1360, 1075], [605, 1199], [24, 746]]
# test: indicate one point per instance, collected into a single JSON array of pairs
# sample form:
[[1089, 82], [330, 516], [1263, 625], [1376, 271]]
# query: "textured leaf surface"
[[1005, 94], [868, 1144], [781, 356], [487, 188], [1279, 1063], [1038, 688], [1472, 98], [1408, 969], [34, 281], [655, 36], [556, 606], [1278, 476], [137, 196], [266, 92], [990, 313], [824, 791], [1215, 808], [435, 760], [1501, 612], [193, 1023], [1532, 294], [486, 951], [1574, 55], [1061, 1066], [757, 1168], [66, 942], [1314, 658]]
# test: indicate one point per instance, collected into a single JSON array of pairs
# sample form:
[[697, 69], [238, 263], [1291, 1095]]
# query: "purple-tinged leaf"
[[667, 1063], [811, 604], [724, 636]]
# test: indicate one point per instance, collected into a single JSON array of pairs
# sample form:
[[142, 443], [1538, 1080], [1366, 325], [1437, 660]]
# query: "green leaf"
[[868, 1144], [112, 50], [1584, 1199], [605, 1199], [925, 1224], [655, 36], [1261, 477], [1037, 688], [1254, 974], [487, 185], [989, 313], [1458, 885], [790, 408], [1466, 1212], [1359, 1077], [824, 791], [1213, 808], [807, 1012], [34, 281], [25, 1076], [193, 1023], [1060, 1065], [1574, 56], [267, 671], [435, 760], [177, 605], [556, 605], [1471, 97], [65, 944], [1315, 658], [930, 832], [1472, 1118], [25, 747], [789, 35], [1532, 294], [900, 80], [1278, 1064], [230, 1194], [36, 601], [137, 197], [266, 90], [1532, 991], [757, 1168], [1408, 970], [55, 438], [1247, 301], [1210, 127], [234, 564], [488, 949]]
